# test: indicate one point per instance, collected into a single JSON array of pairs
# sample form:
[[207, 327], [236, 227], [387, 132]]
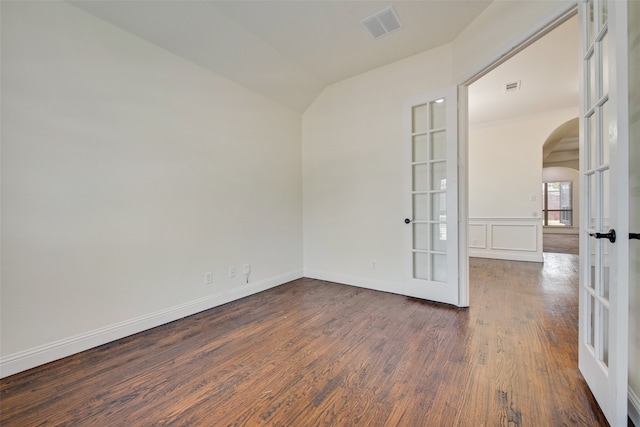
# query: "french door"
[[431, 227], [604, 243]]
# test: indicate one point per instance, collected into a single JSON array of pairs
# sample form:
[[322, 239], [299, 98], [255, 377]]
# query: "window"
[[557, 204]]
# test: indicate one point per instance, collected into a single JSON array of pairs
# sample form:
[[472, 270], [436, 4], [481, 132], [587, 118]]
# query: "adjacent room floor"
[[561, 243], [311, 353]]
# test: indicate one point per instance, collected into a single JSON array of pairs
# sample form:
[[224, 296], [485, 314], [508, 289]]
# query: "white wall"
[[505, 176], [127, 173], [352, 150], [353, 172], [554, 173], [500, 27]]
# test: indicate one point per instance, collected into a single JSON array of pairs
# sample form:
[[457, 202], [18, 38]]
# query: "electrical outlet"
[[232, 272], [208, 278], [373, 265], [247, 269]]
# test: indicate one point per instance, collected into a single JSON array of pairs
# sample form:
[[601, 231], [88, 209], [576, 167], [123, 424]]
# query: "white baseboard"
[[507, 255], [376, 285], [40, 355], [634, 407], [547, 230]]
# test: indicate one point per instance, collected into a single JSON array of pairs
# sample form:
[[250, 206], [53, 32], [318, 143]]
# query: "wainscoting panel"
[[517, 239], [478, 236], [513, 237]]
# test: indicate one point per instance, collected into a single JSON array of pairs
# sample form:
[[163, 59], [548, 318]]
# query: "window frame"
[[545, 203]]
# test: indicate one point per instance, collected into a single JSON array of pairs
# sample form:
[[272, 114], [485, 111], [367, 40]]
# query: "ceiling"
[[288, 51], [548, 75]]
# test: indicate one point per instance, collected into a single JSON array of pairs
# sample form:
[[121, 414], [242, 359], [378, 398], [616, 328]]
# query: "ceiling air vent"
[[382, 23], [512, 87]]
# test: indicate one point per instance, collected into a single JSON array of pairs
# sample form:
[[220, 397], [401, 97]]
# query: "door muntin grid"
[[596, 180], [429, 191]]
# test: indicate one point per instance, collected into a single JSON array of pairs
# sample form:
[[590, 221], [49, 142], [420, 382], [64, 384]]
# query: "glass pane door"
[[603, 324], [596, 173], [432, 166]]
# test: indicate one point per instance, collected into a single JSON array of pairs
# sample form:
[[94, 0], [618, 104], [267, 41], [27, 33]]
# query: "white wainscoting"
[[517, 239]]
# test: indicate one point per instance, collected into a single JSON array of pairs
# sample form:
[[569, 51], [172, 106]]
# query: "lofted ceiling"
[[288, 51]]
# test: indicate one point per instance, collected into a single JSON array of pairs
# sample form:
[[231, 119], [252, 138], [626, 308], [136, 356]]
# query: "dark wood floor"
[[313, 353]]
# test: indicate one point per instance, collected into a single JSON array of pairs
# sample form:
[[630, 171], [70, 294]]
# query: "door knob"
[[611, 235], [407, 221], [634, 236]]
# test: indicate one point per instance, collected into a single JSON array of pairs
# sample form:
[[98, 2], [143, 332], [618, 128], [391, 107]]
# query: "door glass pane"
[[592, 200], [438, 117], [439, 237], [590, 22], [606, 213], [592, 98], [591, 315], [592, 262], [420, 174], [605, 133], [604, 49], [439, 176], [604, 13], [604, 333], [439, 267], [592, 140], [420, 152], [438, 207], [420, 207], [419, 113], [438, 145], [421, 265], [420, 236], [604, 289]]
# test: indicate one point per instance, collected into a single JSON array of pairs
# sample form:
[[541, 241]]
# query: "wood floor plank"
[[314, 353]]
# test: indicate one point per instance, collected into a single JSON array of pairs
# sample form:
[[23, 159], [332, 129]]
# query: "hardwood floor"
[[561, 243], [313, 353]]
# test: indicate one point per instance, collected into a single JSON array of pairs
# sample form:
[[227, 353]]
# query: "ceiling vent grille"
[[382, 23], [512, 87]]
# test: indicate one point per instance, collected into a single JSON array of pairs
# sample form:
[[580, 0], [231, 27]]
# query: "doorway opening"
[[522, 142], [561, 190]]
